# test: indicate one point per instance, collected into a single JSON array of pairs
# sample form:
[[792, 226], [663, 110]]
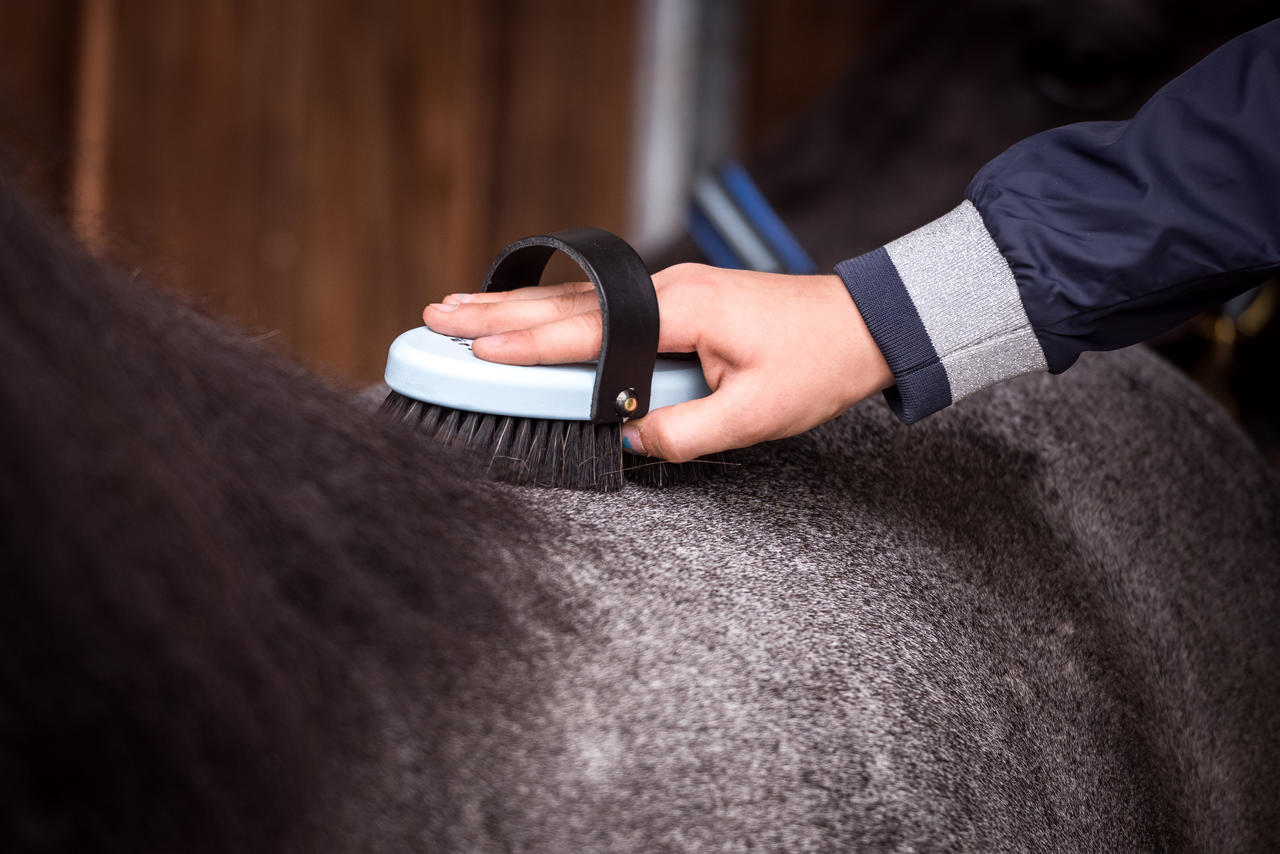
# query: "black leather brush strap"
[[628, 310]]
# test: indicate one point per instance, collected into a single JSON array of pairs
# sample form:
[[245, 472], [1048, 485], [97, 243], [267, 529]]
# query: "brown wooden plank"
[[37, 62], [796, 49], [399, 153], [566, 116]]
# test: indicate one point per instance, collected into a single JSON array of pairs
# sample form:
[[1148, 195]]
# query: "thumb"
[[692, 429]]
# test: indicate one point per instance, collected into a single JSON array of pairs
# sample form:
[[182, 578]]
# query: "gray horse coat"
[[1047, 619], [240, 614]]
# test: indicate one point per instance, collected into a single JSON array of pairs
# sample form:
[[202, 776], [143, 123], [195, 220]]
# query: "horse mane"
[[215, 568]]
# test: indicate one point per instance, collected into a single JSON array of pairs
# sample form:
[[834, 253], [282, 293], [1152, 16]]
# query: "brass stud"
[[626, 403]]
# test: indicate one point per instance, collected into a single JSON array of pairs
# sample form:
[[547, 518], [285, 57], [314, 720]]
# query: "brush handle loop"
[[628, 310]]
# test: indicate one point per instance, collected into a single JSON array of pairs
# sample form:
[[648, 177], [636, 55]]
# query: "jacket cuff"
[[943, 306]]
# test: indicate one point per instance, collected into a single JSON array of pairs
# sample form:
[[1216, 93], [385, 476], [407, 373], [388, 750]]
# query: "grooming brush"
[[553, 425]]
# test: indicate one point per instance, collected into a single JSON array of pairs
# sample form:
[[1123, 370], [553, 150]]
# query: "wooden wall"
[[320, 169]]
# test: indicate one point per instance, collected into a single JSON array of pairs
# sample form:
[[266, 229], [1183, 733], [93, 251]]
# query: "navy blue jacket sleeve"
[[1087, 237]]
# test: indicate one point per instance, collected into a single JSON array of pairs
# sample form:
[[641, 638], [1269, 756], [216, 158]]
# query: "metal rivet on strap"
[[626, 402]]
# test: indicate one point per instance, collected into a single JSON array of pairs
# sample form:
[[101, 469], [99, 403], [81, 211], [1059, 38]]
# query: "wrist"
[[863, 370]]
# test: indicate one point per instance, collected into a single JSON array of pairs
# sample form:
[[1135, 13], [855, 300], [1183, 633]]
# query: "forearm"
[[1091, 236]]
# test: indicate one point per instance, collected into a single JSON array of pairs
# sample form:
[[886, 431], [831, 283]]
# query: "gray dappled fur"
[[240, 613], [1046, 619]]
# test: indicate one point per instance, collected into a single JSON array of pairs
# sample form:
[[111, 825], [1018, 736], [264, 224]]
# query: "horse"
[[242, 613]]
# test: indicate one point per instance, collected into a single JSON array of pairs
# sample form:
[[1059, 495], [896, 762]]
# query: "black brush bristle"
[[544, 452]]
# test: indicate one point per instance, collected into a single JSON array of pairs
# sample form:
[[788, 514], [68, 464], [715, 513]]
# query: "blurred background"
[[319, 171]]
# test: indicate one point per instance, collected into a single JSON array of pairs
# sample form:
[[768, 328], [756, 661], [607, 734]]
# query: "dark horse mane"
[[176, 510]]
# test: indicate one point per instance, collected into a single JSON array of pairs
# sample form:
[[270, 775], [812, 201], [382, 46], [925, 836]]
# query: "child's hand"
[[781, 353]]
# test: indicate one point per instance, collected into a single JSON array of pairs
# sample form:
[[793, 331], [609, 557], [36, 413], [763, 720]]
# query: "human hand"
[[780, 353]]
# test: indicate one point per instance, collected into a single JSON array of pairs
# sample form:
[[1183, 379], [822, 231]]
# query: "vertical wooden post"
[[88, 187]]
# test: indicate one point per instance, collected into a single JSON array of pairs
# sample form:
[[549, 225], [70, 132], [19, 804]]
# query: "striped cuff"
[[943, 306]]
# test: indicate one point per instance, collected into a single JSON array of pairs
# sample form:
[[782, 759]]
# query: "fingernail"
[[460, 298], [631, 442], [441, 306], [491, 340]]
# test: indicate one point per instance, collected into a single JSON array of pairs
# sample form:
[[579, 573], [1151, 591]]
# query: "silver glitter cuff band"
[[968, 300]]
